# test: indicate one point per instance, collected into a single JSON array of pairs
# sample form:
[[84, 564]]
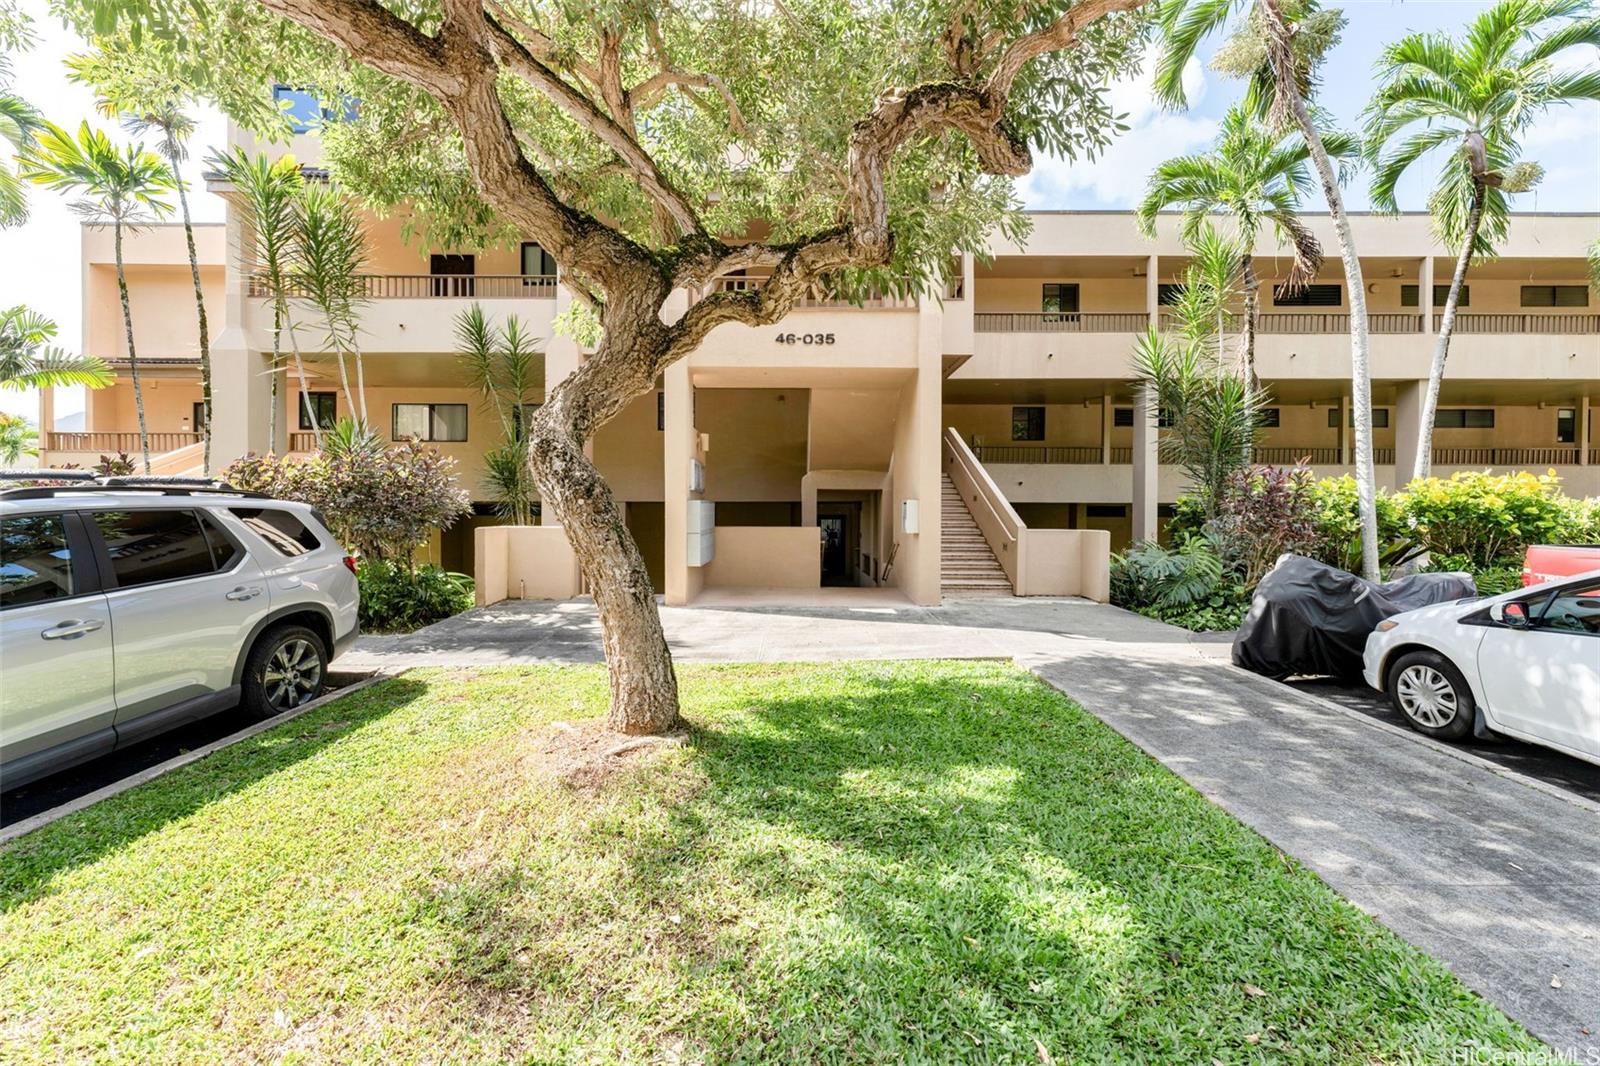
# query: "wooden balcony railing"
[[1035, 453], [1279, 455], [302, 442], [744, 283], [1083, 455], [1061, 322], [1524, 323], [1534, 457], [1297, 322], [111, 443], [435, 286]]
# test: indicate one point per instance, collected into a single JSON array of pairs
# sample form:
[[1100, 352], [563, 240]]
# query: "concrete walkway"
[[1493, 873]]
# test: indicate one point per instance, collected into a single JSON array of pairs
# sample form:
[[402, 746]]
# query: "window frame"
[[1028, 407], [1555, 296], [1303, 297], [1272, 418], [1441, 293], [1536, 622], [1463, 412], [394, 426], [316, 401], [1570, 416], [544, 254], [84, 560], [1350, 417], [109, 580], [1061, 288]]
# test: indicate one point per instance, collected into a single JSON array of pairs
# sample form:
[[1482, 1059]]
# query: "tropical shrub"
[[1490, 518], [1337, 522], [1185, 586], [382, 502], [1491, 581], [1263, 512], [397, 598]]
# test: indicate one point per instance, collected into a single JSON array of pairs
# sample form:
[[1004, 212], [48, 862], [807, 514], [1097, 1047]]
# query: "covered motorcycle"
[[1311, 618]]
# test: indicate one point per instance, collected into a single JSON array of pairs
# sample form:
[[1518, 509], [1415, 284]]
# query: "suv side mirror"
[[1513, 614]]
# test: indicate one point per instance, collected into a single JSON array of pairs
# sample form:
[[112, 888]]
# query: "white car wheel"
[[1428, 690]]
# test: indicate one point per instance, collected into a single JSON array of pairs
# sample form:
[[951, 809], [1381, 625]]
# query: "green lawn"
[[860, 863]]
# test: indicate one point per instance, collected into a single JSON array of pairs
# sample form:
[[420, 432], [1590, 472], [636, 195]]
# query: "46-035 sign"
[[804, 338]]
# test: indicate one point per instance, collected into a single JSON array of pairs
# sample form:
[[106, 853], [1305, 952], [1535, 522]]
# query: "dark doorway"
[[835, 556], [452, 274]]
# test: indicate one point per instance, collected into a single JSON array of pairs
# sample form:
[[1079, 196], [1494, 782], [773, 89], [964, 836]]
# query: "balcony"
[[435, 286], [1061, 322], [1277, 455], [1524, 323], [877, 300], [1530, 458], [112, 443]]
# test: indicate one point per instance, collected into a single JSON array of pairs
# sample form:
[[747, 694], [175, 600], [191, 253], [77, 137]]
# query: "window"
[[1059, 297], [1027, 423], [1409, 293], [285, 533], [35, 561], [1573, 610], [1269, 417], [453, 274], [1122, 416], [1309, 296], [1167, 295], [1567, 426], [1105, 510], [151, 546], [324, 404], [225, 551], [1464, 418], [1555, 296], [198, 416], [661, 410], [430, 421], [536, 261], [1380, 418]]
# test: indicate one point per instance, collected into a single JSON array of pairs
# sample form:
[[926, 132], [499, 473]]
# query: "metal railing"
[[1505, 456], [1061, 322], [1035, 453], [433, 286], [1523, 323], [160, 441]]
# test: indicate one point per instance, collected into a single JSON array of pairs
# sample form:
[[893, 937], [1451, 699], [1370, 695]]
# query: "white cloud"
[[1117, 178]]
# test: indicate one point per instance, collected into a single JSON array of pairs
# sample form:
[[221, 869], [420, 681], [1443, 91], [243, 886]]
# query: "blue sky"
[[1566, 141]]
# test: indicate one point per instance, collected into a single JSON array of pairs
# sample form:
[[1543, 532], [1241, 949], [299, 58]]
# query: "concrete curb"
[[43, 818]]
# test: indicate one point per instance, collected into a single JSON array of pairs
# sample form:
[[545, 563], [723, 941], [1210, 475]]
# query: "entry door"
[[452, 274], [55, 638], [1545, 680], [834, 561]]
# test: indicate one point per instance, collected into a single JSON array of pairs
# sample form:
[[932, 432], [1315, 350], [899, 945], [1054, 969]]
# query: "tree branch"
[[1060, 34]]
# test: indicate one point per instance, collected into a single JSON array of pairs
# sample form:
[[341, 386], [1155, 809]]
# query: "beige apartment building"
[[986, 439]]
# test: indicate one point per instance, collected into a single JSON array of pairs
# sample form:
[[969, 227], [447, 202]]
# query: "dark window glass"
[[521, 415], [1059, 297], [661, 410], [1574, 610], [453, 274], [1269, 417], [225, 551], [1167, 295], [35, 562], [1567, 426], [1122, 416], [1309, 296], [1027, 423], [1441, 293], [151, 546], [326, 406], [1464, 418], [430, 421], [283, 531], [1380, 418], [1555, 296], [536, 261], [199, 416], [1105, 510], [1164, 418]]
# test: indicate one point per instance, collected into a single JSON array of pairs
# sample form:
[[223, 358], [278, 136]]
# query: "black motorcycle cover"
[[1311, 618]]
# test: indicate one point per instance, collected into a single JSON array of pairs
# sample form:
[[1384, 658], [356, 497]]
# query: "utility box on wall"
[[701, 525], [908, 516]]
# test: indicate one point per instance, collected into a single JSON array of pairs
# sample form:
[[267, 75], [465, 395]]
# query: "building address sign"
[[805, 338]]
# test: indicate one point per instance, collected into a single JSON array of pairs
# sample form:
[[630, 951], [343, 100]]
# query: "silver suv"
[[132, 605]]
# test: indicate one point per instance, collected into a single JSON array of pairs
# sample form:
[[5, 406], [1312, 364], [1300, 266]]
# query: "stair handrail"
[[997, 520]]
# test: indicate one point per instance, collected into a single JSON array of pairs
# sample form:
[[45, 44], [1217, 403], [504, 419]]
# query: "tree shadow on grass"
[[903, 866], [29, 865]]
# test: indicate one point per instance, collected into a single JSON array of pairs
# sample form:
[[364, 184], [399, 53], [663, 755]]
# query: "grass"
[[864, 863]]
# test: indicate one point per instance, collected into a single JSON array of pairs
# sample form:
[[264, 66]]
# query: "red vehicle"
[[1551, 562]]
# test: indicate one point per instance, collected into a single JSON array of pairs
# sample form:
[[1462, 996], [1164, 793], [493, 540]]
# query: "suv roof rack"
[[87, 481]]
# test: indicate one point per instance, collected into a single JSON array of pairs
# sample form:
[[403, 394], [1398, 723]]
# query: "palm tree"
[[266, 192], [168, 120], [17, 438], [501, 363], [330, 257], [18, 124], [1256, 177], [1277, 47], [29, 361], [1472, 98], [120, 188]]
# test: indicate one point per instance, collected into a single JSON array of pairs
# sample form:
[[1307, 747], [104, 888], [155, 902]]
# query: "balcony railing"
[[1061, 322], [302, 442], [1279, 455], [1505, 456], [434, 286], [1083, 455], [817, 299], [1036, 453], [108, 443], [1523, 323], [1282, 322]]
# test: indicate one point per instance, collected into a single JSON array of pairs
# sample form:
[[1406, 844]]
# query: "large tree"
[[1471, 100], [652, 147]]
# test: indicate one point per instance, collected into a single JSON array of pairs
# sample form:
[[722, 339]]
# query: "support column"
[[1583, 430], [1407, 424], [680, 446], [1106, 420], [1152, 290], [241, 381], [1425, 294], [47, 419], [1146, 465]]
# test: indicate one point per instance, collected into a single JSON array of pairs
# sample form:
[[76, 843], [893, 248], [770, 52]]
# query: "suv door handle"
[[71, 629], [243, 593]]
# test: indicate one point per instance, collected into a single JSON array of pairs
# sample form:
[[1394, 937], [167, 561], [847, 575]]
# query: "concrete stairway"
[[967, 565]]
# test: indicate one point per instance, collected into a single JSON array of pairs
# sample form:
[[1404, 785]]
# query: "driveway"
[[1491, 871]]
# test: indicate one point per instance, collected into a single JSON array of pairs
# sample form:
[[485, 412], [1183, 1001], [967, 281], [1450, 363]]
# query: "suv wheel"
[[286, 669], [1430, 692]]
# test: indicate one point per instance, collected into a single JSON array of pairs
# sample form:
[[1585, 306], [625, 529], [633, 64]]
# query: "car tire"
[[287, 668], [1431, 695]]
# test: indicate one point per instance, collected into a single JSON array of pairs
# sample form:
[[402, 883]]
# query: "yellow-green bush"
[[1487, 518]]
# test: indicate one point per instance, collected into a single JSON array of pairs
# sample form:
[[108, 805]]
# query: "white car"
[[1525, 664], [129, 606]]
